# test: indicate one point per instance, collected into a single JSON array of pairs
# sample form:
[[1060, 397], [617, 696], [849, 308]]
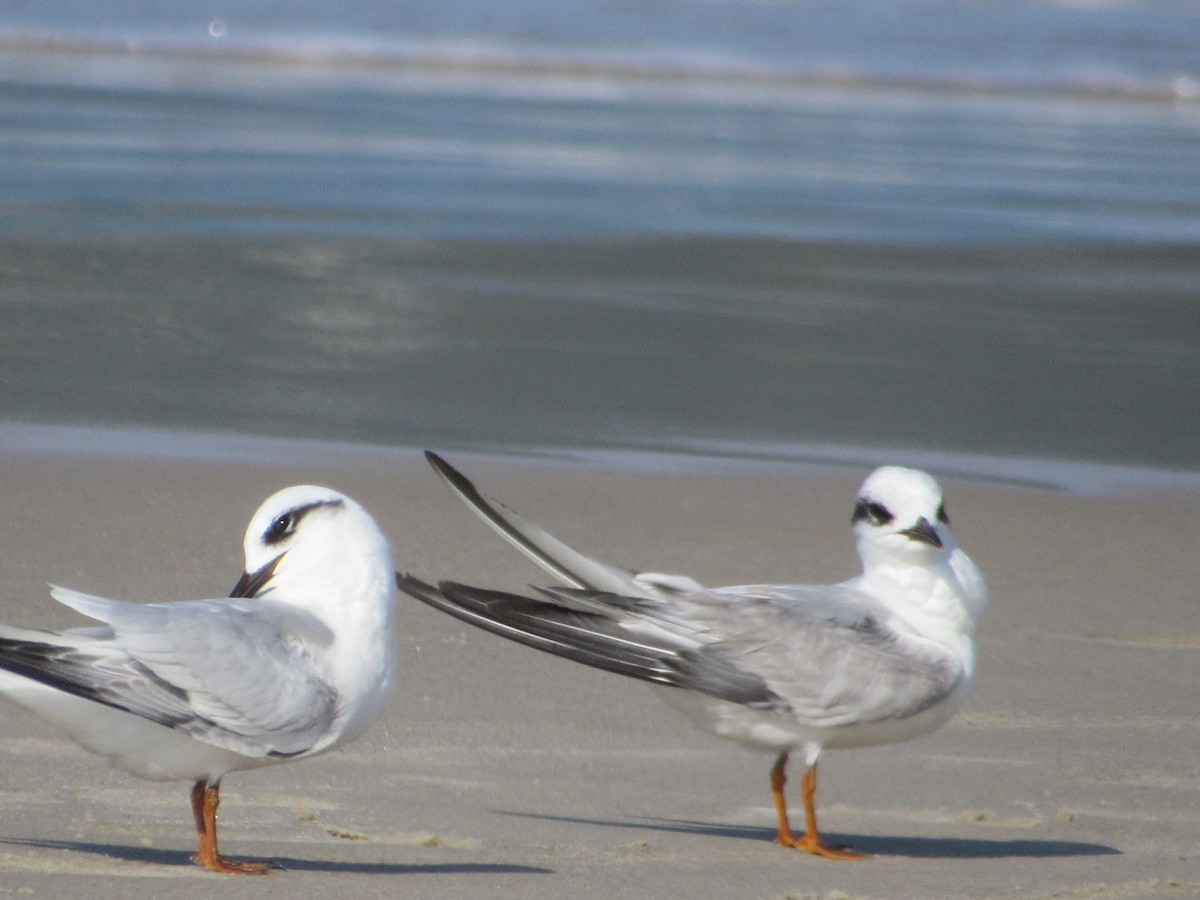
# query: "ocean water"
[[743, 227]]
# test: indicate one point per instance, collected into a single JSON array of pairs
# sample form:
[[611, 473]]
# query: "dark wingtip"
[[414, 586], [438, 462], [451, 475], [461, 483]]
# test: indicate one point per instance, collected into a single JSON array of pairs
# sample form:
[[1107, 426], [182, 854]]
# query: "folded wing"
[[236, 674]]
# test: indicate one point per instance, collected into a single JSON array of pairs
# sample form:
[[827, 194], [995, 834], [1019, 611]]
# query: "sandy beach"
[[669, 279], [499, 771]]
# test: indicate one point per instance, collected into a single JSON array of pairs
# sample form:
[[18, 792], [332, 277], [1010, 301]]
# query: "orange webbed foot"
[[815, 846], [229, 867]]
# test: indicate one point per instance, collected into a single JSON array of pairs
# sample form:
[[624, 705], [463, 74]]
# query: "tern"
[[885, 656], [299, 660]]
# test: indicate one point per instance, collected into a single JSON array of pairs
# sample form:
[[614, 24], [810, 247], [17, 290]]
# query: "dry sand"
[[499, 771]]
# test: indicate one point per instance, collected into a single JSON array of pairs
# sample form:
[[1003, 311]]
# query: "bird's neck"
[[940, 600]]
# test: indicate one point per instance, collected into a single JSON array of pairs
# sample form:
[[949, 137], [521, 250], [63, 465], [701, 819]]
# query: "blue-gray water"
[[727, 226]]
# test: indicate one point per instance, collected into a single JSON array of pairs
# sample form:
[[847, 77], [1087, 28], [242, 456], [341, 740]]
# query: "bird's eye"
[[870, 511], [285, 524], [282, 527], [941, 515]]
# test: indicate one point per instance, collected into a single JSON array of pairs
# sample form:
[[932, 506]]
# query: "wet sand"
[[1055, 350], [499, 771]]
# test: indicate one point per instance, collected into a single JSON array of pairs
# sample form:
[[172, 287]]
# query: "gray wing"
[[827, 652], [557, 558], [237, 674], [823, 656]]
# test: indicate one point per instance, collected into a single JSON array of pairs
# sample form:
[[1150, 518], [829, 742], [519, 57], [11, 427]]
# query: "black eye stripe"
[[870, 511], [941, 515], [284, 525]]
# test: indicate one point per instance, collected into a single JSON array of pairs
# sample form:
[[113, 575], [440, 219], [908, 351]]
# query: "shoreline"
[[130, 441]]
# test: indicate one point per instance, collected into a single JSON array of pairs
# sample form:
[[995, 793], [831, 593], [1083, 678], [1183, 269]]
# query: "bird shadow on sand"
[[873, 845], [281, 863]]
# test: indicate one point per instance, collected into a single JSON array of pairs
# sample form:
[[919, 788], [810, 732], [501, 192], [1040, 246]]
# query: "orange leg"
[[205, 801], [778, 780], [811, 841]]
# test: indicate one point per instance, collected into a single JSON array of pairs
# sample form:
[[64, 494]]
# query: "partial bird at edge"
[[197, 689]]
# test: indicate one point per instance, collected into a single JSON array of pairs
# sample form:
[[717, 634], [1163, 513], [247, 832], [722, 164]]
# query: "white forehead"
[[901, 489], [290, 498], [297, 495]]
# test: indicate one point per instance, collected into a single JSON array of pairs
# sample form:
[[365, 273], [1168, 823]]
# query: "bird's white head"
[[900, 513], [900, 521], [307, 539]]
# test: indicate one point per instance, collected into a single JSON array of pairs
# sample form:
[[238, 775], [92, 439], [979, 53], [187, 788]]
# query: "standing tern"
[[883, 657], [299, 660]]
